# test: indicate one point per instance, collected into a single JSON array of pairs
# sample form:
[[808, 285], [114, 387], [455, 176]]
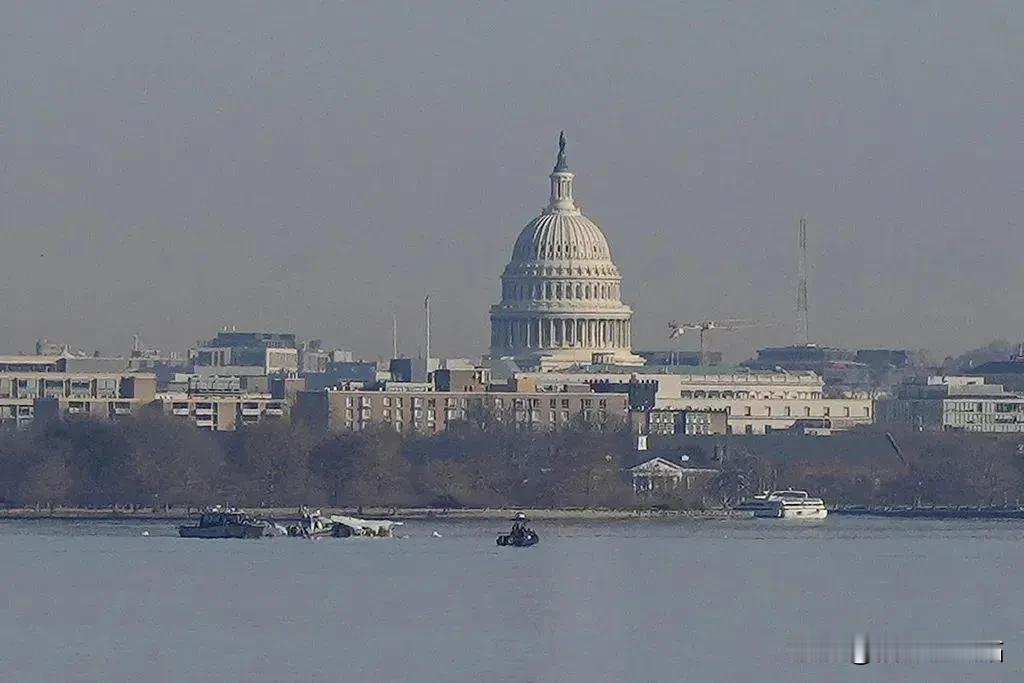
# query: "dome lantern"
[[561, 183]]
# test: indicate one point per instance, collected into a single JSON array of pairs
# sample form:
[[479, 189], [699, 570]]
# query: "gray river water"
[[599, 601]]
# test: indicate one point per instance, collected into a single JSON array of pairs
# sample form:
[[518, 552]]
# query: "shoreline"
[[291, 514]]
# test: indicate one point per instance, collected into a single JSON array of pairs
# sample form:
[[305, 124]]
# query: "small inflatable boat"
[[521, 536], [524, 540]]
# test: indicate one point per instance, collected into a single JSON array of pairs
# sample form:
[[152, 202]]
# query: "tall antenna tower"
[[802, 331], [394, 335], [426, 334]]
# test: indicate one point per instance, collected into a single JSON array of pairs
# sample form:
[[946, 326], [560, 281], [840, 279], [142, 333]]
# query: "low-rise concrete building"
[[222, 412], [231, 353], [946, 403], [808, 357], [688, 422], [434, 411], [466, 379], [53, 386], [754, 402], [1009, 373]]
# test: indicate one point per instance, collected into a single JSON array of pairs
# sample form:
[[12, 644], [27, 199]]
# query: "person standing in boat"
[[518, 526]]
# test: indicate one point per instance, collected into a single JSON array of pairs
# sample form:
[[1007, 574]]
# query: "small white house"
[[659, 475]]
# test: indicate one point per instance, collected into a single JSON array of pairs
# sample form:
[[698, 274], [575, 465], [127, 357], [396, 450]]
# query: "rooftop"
[[686, 370]]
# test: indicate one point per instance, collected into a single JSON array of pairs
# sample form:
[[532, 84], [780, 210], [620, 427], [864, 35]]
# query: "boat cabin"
[[222, 518]]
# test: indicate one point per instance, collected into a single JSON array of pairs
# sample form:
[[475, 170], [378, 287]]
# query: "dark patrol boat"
[[521, 535], [218, 523]]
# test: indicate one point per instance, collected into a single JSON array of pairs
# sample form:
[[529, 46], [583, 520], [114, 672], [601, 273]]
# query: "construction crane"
[[677, 330]]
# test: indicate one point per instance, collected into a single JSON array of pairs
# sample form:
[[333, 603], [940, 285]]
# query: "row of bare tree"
[[154, 460], [862, 468]]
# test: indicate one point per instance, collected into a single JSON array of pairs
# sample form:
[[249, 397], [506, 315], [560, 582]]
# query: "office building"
[[54, 386], [429, 411], [222, 412], [944, 403], [247, 354], [754, 402]]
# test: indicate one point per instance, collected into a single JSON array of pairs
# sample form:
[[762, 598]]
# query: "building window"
[[746, 411], [106, 388]]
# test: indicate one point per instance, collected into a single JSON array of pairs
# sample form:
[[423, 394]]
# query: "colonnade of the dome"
[[537, 290], [535, 332]]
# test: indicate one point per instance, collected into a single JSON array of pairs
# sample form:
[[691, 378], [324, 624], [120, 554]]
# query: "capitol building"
[[561, 300]]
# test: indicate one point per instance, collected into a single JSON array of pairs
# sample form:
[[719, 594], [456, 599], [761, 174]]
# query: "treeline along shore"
[[157, 463]]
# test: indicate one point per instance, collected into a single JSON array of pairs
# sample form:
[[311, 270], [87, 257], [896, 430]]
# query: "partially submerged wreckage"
[[218, 522], [316, 525]]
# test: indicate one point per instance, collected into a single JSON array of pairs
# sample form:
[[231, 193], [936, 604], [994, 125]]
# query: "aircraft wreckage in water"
[[316, 525], [218, 522]]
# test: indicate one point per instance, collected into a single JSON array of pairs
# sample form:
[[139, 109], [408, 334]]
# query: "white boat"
[[785, 505]]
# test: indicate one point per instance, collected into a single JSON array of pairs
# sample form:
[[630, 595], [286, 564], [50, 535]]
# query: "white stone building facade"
[[754, 402]]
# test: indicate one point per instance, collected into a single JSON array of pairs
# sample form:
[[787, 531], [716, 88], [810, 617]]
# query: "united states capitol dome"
[[560, 292], [558, 236]]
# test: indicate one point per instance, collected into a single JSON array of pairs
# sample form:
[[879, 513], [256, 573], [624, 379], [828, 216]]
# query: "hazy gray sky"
[[168, 168]]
